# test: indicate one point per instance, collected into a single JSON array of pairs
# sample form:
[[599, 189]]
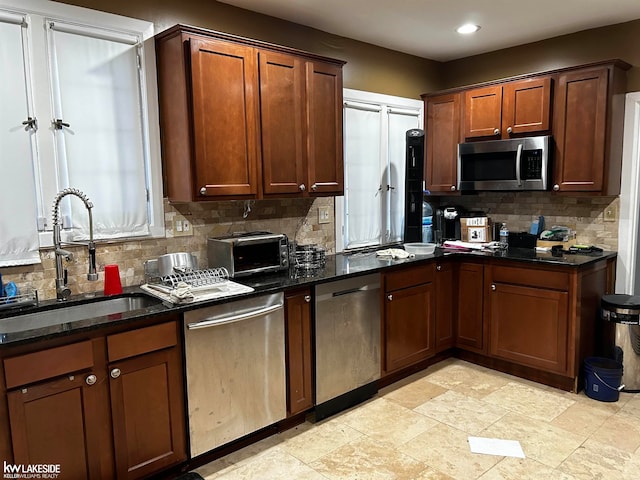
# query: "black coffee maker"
[[448, 223]]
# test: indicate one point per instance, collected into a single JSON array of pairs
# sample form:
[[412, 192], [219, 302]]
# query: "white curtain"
[[363, 183], [18, 209], [96, 90]]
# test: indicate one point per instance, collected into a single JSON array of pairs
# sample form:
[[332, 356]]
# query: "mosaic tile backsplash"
[[298, 219]]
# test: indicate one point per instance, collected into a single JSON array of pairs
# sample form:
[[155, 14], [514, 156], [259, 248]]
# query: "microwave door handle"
[[518, 157]]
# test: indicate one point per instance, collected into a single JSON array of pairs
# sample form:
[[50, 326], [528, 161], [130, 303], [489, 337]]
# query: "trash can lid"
[[621, 308]]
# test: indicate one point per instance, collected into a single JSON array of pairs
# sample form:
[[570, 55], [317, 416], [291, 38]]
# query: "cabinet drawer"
[[408, 277], [528, 276], [50, 363], [141, 341]]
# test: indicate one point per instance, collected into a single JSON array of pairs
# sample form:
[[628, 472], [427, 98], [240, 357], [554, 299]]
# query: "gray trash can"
[[624, 311]]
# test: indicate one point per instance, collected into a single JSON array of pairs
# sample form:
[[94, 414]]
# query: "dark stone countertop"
[[336, 267]]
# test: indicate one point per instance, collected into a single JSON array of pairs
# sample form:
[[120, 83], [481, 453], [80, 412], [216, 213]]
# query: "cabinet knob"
[[438, 267], [493, 287], [453, 188], [307, 298], [314, 187], [203, 191], [496, 131], [390, 297], [509, 130], [302, 187], [91, 379], [115, 373], [556, 187]]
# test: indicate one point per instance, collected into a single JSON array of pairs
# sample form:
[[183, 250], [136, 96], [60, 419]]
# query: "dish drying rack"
[[27, 297], [197, 279]]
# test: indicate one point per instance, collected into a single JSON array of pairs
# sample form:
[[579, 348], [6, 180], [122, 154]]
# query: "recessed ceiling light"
[[468, 28]]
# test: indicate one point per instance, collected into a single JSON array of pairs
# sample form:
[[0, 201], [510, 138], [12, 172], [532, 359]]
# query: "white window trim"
[[375, 102], [39, 69]]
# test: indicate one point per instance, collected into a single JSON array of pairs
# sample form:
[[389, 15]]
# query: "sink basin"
[[67, 313]]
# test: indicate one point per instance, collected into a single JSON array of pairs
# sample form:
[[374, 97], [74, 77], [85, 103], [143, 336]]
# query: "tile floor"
[[418, 429]]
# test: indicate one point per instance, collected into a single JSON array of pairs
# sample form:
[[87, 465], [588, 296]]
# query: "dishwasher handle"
[[223, 320], [364, 288]]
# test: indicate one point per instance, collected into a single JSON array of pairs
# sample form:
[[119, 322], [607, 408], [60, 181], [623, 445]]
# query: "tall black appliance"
[[414, 174]]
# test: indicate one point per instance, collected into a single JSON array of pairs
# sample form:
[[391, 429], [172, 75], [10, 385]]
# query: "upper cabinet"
[[588, 129], [245, 119], [443, 134], [510, 109]]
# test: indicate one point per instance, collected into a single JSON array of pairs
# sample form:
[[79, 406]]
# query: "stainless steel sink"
[[67, 313]]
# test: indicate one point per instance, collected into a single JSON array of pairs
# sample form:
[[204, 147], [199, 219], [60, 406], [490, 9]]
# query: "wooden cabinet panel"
[[483, 112], [324, 128], [470, 326], [529, 326], [141, 341], [443, 135], [148, 413], [409, 277], [526, 106], [444, 288], [409, 326], [579, 133], [298, 353], [225, 116], [282, 83]]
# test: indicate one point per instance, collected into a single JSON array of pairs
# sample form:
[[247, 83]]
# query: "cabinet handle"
[[115, 373], [314, 187], [302, 187], [453, 188], [496, 131], [307, 298], [390, 297], [58, 124], [493, 287], [509, 130], [556, 187], [30, 123], [91, 379], [203, 191], [438, 267]]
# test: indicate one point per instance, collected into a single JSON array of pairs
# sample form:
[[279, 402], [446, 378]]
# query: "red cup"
[[112, 285]]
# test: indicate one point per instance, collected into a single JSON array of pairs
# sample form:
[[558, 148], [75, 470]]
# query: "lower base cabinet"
[[108, 407], [471, 329], [298, 351], [409, 317]]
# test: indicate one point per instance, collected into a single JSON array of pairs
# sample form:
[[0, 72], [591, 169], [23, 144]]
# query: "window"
[[82, 113], [372, 209]]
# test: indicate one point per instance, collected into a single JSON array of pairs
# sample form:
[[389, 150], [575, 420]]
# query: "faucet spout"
[[62, 290]]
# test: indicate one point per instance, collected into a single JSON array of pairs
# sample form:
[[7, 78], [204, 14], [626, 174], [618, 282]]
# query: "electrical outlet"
[[610, 213], [323, 214], [182, 227]]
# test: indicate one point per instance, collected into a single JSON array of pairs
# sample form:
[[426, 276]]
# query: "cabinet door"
[[409, 326], [579, 130], [62, 422], [443, 135], [529, 326], [470, 328], [224, 86], [298, 354], [483, 112], [526, 106], [148, 413], [324, 128], [282, 112], [444, 285]]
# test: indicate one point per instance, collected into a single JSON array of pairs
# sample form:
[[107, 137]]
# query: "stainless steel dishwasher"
[[235, 369], [347, 340]]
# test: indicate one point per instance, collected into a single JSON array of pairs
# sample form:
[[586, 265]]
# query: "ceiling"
[[426, 28]]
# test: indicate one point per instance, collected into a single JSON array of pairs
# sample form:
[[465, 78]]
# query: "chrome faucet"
[[62, 290]]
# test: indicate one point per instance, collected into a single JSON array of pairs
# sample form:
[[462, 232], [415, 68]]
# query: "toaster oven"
[[249, 253]]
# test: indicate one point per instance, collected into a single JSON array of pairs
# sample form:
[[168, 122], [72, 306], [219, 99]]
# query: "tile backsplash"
[[298, 219]]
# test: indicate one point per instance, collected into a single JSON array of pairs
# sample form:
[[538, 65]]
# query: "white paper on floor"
[[496, 446]]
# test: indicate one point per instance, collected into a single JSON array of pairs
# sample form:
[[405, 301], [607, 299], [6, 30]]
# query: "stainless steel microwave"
[[512, 164], [249, 253]]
